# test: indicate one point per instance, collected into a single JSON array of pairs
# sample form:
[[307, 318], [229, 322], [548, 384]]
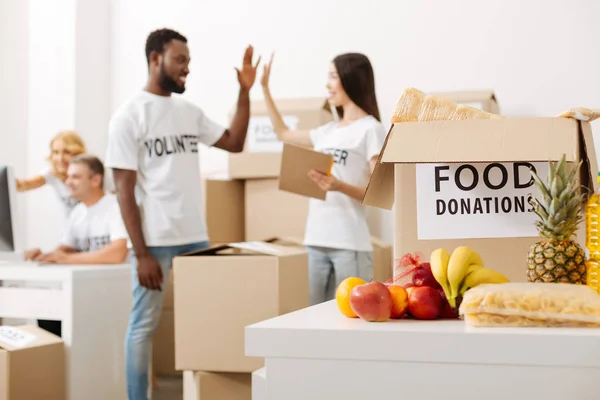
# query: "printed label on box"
[[262, 137], [15, 337], [476, 200]]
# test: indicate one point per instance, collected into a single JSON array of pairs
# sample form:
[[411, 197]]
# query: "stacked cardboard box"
[[32, 364], [243, 204]]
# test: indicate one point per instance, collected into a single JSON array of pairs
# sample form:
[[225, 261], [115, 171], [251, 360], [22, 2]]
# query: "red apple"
[[409, 289], [371, 301], [426, 266], [447, 310], [423, 277], [425, 302]]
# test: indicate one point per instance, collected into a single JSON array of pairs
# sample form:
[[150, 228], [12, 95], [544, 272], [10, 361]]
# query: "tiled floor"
[[169, 389]]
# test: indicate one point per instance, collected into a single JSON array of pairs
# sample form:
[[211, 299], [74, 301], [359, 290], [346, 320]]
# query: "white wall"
[[14, 85], [539, 57], [56, 76]]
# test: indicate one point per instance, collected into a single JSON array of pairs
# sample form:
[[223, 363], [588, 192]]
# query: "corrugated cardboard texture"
[[224, 209], [220, 291], [272, 212], [311, 113], [36, 371], [203, 385]]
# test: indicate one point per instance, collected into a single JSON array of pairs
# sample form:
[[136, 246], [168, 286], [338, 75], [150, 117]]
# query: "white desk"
[[93, 303], [316, 353]]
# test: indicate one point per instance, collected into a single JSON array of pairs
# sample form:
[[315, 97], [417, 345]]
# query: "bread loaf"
[[415, 105]]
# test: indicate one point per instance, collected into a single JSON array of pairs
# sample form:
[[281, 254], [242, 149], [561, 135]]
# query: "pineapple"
[[557, 257]]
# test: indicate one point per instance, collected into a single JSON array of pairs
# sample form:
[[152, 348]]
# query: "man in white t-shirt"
[[94, 233], [153, 150]]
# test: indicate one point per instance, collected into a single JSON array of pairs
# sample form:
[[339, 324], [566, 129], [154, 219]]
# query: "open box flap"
[[501, 140], [245, 248]]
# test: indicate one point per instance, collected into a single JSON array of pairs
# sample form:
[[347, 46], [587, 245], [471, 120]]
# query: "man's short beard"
[[167, 83]]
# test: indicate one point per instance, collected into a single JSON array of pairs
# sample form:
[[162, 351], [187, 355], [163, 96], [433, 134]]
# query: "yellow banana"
[[439, 268], [470, 270], [461, 259], [480, 276]]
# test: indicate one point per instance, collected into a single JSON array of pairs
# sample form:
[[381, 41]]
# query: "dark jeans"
[[51, 326]]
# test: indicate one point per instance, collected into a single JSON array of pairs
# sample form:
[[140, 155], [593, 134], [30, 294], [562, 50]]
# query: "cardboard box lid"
[[248, 248], [501, 140], [22, 337]]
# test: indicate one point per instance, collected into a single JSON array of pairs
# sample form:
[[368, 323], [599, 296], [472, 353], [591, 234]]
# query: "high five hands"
[[247, 75]]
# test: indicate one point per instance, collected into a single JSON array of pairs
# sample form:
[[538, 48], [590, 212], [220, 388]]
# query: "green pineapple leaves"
[[560, 202]]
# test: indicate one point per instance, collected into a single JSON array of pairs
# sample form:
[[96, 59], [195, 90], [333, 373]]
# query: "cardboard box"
[[272, 212], [431, 209], [261, 157], [163, 346], [483, 99], [382, 255], [221, 290], [224, 207], [32, 364], [297, 162], [201, 385]]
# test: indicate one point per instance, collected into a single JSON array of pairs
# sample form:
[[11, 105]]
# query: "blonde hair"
[[74, 145]]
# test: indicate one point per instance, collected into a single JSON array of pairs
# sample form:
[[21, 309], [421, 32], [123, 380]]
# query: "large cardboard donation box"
[[32, 364], [202, 385], [468, 182], [261, 157], [221, 290]]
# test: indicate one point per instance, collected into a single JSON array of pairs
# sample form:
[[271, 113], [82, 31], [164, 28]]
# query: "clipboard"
[[296, 162]]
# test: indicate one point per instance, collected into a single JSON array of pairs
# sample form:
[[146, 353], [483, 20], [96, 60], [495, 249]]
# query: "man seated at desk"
[[95, 232]]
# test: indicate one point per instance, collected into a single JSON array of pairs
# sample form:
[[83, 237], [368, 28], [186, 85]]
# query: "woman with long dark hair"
[[337, 236]]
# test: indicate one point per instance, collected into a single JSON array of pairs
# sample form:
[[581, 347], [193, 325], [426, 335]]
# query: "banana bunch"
[[461, 271]]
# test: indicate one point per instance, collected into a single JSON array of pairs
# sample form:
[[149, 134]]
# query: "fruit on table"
[[423, 276], [342, 295], [461, 259], [439, 268], [556, 257], [425, 302], [460, 271], [371, 301], [447, 310], [399, 301], [477, 275]]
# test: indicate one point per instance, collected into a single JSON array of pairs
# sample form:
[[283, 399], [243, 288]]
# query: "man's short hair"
[[158, 39], [93, 163]]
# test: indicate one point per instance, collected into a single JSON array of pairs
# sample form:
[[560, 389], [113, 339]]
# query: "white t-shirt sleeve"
[[117, 226], [122, 148], [317, 134], [208, 130], [374, 140], [67, 238]]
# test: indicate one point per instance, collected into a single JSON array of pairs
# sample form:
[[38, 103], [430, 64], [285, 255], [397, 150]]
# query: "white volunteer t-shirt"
[[340, 221], [61, 191], [92, 228], [158, 137]]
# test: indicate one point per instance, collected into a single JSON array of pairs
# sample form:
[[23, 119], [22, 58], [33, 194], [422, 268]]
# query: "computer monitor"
[[9, 226]]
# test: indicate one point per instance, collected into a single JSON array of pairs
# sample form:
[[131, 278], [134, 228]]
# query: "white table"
[[93, 302], [316, 353]]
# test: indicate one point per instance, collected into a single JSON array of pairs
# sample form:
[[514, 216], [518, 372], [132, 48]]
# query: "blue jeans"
[[328, 267], [144, 319]]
